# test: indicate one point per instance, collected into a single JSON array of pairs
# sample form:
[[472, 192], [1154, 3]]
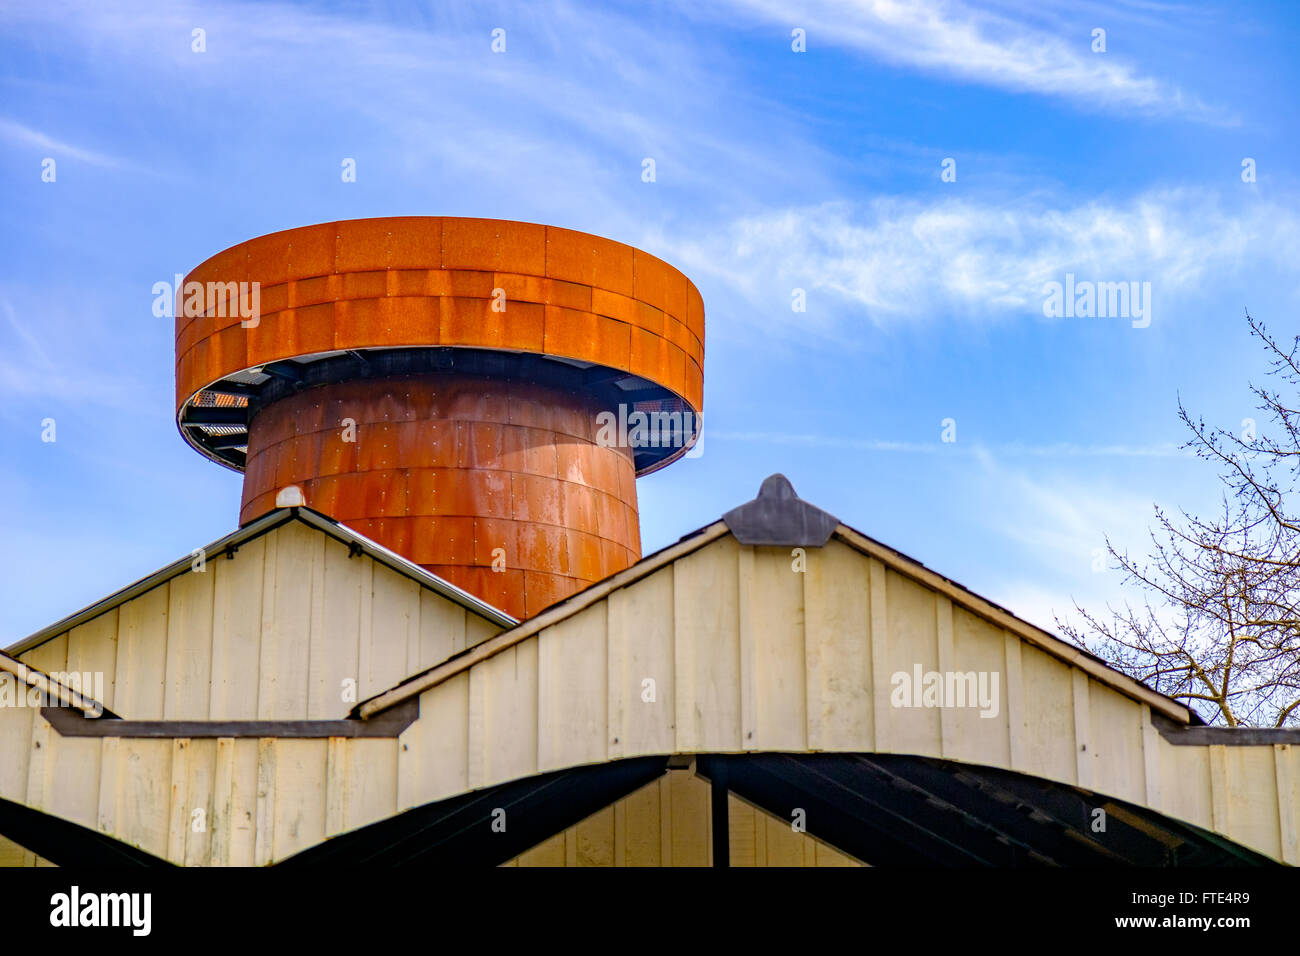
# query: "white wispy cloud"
[[17, 133], [559, 124], [1061, 521], [902, 258], [1007, 449], [1022, 50], [29, 372], [1058, 518]]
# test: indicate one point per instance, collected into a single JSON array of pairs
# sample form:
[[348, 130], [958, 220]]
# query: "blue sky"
[[776, 170]]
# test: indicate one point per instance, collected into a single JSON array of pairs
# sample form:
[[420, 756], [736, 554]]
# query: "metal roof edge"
[[418, 683], [405, 566], [55, 690], [260, 526], [996, 614], [253, 529]]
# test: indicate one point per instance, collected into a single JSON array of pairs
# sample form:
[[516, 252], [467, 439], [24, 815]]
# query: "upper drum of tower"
[[305, 306]]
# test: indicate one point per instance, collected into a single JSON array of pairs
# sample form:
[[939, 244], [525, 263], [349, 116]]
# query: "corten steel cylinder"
[[500, 488], [447, 387]]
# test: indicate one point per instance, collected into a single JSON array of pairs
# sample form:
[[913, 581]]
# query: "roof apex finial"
[[779, 517], [777, 486]]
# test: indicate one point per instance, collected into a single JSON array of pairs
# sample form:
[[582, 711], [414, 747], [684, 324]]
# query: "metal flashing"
[[357, 543], [779, 517]]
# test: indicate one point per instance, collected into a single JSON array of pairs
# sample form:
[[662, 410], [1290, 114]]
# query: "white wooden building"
[[302, 696]]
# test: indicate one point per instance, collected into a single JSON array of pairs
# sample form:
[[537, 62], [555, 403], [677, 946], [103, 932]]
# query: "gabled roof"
[[778, 517], [269, 522]]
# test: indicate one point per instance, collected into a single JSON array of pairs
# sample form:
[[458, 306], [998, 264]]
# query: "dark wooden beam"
[[71, 723]]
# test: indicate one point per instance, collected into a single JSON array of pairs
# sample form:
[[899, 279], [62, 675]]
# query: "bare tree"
[[1220, 625]]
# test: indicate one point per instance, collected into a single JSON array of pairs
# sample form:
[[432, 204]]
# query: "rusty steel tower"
[[444, 386]]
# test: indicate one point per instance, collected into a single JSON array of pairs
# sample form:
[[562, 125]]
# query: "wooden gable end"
[[291, 626]]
